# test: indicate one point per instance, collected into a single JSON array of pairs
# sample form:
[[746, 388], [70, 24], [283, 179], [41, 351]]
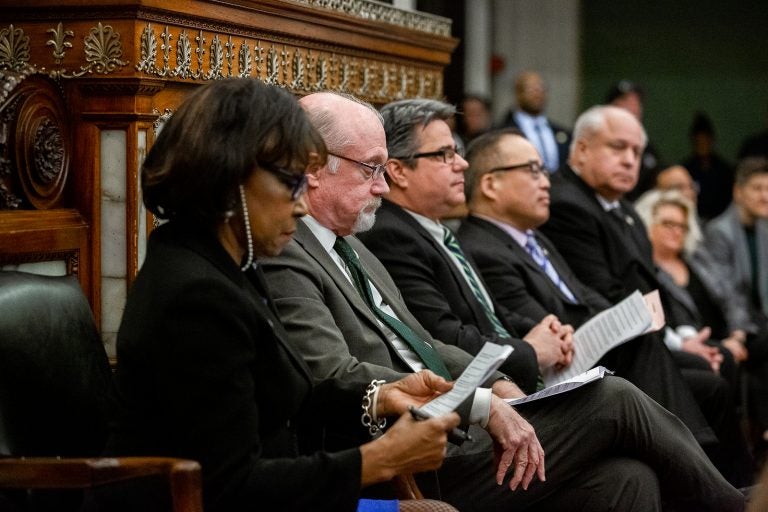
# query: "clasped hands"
[[553, 343]]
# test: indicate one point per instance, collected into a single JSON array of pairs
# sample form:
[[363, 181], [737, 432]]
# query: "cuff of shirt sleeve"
[[481, 407], [672, 340]]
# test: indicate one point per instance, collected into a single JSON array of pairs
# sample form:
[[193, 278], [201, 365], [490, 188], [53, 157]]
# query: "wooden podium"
[[85, 86]]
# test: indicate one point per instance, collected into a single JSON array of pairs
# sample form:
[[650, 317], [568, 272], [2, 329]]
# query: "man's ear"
[[577, 155], [488, 186], [397, 173], [313, 179]]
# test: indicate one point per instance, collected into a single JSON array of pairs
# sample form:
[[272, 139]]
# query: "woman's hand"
[[416, 389], [407, 446]]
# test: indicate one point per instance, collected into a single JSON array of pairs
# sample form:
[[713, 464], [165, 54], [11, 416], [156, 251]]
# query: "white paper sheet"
[[633, 316], [479, 370], [568, 385]]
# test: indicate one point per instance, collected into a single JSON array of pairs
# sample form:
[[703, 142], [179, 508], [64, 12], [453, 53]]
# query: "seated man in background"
[[610, 447], [508, 192], [738, 242]]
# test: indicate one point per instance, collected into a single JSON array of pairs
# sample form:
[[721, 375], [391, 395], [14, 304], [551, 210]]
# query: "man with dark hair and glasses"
[[443, 290]]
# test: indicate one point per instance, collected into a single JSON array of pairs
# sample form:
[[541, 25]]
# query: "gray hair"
[[594, 119], [402, 117], [335, 131]]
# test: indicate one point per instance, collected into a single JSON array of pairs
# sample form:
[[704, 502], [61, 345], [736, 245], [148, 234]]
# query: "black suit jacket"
[[438, 295], [612, 255], [518, 283], [204, 372]]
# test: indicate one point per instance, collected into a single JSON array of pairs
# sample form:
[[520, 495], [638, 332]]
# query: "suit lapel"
[[761, 229], [523, 255], [678, 293], [458, 277], [309, 243], [740, 246]]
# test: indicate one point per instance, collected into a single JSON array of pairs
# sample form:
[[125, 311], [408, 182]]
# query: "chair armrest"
[[73, 473]]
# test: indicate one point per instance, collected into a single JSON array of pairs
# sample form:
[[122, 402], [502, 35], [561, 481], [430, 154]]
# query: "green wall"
[[688, 55]]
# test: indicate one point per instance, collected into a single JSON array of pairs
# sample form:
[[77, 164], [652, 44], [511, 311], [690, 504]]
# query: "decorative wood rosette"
[[35, 144]]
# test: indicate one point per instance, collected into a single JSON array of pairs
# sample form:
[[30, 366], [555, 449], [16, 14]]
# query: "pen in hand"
[[456, 436]]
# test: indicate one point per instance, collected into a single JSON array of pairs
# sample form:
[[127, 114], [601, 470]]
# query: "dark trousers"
[[605, 443]]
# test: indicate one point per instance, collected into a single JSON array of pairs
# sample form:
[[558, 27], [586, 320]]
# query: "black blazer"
[[204, 373], [611, 255], [518, 283], [438, 295]]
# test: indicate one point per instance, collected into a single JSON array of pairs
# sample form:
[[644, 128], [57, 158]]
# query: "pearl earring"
[[248, 234]]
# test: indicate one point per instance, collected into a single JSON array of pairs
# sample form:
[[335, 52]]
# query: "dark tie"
[[453, 245], [541, 259], [424, 350]]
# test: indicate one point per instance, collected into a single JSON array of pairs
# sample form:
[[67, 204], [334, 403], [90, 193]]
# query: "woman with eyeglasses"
[[204, 370]]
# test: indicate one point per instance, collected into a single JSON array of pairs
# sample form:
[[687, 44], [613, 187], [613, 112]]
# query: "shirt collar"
[[524, 118], [325, 236], [606, 204], [521, 237], [435, 229]]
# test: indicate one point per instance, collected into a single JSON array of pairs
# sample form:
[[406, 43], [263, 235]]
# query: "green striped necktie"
[[453, 245], [424, 350]]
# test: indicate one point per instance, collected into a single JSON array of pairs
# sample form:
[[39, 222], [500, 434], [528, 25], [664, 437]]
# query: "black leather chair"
[[54, 378]]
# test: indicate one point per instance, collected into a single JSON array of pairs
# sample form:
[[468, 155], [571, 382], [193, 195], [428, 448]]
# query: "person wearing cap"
[[629, 96]]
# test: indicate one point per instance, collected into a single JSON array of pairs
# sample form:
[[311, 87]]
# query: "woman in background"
[[698, 296]]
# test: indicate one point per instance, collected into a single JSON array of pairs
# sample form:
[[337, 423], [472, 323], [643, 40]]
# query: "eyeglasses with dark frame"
[[448, 154], [370, 171], [296, 182], [532, 166]]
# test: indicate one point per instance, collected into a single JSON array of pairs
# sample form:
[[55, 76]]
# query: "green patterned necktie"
[[453, 245], [424, 350]]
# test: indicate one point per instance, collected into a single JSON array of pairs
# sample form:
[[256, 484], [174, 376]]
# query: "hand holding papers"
[[478, 371], [635, 315]]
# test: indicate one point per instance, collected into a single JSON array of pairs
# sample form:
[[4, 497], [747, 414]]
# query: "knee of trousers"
[[636, 486], [624, 484]]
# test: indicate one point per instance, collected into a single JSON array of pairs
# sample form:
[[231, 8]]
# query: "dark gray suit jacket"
[[330, 323], [726, 242]]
